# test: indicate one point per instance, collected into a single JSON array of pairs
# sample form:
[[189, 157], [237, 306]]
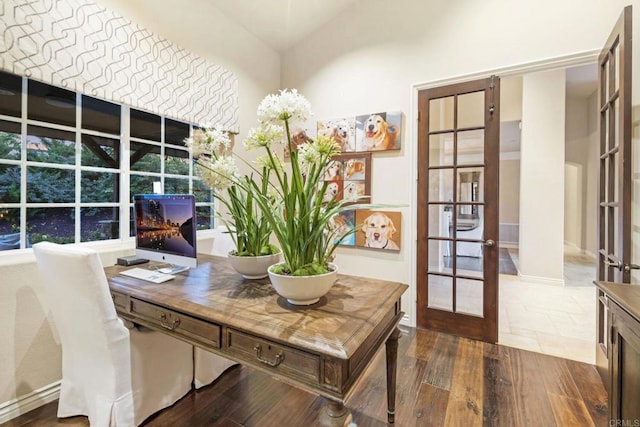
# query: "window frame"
[[124, 203]]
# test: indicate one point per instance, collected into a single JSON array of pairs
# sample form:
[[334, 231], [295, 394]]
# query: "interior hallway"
[[551, 319]]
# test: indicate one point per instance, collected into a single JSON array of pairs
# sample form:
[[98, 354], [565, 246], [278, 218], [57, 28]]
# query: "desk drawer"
[[179, 323], [276, 356], [120, 301]]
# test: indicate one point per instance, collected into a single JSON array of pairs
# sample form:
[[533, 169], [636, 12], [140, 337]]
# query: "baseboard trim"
[[405, 320], [543, 280], [30, 401]]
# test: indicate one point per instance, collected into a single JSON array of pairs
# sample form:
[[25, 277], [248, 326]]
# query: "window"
[[68, 172]]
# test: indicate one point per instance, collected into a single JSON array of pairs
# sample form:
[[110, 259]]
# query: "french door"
[[614, 191], [458, 158]]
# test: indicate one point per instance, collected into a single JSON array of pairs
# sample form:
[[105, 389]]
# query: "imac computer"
[[165, 227]]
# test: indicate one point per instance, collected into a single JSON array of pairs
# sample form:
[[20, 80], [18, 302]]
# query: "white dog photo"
[[378, 229], [333, 171], [353, 190], [332, 192]]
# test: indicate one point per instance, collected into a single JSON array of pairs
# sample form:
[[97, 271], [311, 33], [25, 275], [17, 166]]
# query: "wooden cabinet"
[[623, 351]]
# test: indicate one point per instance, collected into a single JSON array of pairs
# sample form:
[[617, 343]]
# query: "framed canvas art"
[[349, 177], [342, 130], [342, 224], [378, 229], [300, 133], [378, 131]]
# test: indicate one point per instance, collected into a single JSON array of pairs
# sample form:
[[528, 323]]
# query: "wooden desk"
[[323, 348]]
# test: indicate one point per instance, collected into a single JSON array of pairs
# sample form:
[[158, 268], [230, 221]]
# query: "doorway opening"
[[542, 308]]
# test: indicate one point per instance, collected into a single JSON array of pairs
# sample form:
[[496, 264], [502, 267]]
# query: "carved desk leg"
[[335, 414], [392, 364]]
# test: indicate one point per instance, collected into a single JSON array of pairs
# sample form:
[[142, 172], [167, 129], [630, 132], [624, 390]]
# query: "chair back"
[[94, 340]]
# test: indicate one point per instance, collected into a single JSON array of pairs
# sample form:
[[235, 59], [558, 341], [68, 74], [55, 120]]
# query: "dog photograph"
[[378, 131], [342, 131], [355, 169], [340, 225], [332, 192], [378, 229], [333, 171], [300, 133], [354, 191], [353, 173]]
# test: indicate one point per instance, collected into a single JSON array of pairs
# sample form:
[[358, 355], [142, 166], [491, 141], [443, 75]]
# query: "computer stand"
[[173, 269]]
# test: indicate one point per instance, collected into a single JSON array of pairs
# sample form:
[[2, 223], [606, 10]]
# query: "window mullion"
[[23, 166], [78, 172], [162, 155], [125, 173]]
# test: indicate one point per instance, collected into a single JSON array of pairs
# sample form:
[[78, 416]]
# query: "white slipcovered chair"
[[209, 366], [114, 375]]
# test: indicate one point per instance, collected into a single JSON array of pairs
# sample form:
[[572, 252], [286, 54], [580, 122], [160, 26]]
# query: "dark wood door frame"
[[486, 327], [615, 184]]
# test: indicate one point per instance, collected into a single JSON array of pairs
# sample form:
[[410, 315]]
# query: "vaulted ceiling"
[[281, 23]]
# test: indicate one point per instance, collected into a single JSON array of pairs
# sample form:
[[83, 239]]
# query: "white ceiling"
[[281, 23]]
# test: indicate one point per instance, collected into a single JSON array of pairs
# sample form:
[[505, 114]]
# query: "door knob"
[[628, 267], [489, 243]]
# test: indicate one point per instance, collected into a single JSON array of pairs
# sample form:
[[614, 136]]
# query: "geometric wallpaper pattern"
[[81, 46]]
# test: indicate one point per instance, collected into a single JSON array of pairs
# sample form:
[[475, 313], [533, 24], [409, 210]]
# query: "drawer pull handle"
[[279, 356], [169, 325]]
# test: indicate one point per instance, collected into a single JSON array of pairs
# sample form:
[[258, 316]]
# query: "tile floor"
[[551, 319]]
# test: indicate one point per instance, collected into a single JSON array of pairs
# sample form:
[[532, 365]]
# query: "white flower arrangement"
[[249, 230], [292, 201]]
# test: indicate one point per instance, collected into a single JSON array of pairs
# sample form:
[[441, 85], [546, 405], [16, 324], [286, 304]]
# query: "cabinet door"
[[624, 364]]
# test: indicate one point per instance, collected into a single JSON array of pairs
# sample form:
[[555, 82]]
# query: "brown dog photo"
[[355, 169], [300, 133]]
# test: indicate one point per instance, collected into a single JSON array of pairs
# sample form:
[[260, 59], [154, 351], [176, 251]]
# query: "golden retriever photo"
[[378, 132], [378, 230], [355, 169]]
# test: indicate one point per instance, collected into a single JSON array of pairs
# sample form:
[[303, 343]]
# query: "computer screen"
[[166, 228]]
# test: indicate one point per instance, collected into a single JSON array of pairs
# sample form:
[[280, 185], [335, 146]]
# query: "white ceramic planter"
[[303, 290], [253, 267]]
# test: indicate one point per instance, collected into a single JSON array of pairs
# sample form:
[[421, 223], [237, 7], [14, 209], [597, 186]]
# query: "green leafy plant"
[[297, 209], [248, 228]]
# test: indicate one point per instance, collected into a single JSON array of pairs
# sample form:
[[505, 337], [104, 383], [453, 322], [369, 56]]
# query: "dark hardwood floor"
[[442, 380]]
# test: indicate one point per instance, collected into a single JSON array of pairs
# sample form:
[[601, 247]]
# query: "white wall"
[[590, 232], [510, 191], [573, 204], [576, 154], [30, 355], [581, 189], [369, 58], [542, 177], [199, 27], [511, 99]]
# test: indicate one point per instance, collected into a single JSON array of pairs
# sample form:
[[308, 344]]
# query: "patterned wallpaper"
[[84, 47]]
